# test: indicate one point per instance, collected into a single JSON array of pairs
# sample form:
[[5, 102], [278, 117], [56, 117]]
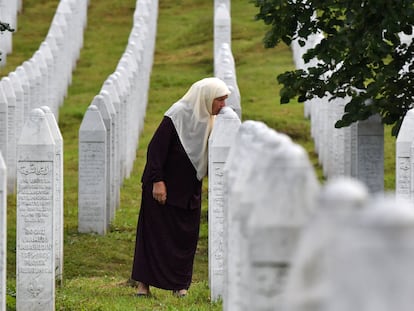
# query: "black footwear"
[[142, 295]]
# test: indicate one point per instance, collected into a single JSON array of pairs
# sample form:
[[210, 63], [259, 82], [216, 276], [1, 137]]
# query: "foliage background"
[[366, 51]]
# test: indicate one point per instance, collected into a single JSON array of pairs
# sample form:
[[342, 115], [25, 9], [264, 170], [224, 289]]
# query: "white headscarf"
[[193, 120]]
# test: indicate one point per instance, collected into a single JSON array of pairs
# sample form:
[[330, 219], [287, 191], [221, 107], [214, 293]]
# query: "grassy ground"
[[97, 268]]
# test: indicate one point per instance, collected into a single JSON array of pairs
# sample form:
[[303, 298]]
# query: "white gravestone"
[[225, 60], [113, 154], [60, 25], [99, 102], [219, 2], [6, 43], [370, 153], [234, 100], [3, 232], [339, 149], [35, 258], [339, 200], [92, 212], [37, 75], [124, 129], [55, 39], [119, 95], [25, 83], [57, 87], [45, 66], [109, 92], [284, 197], [19, 92], [12, 138], [39, 60], [222, 136], [226, 71], [4, 124], [128, 68], [222, 28], [33, 100], [243, 155], [404, 158], [58, 190], [50, 59], [369, 266]]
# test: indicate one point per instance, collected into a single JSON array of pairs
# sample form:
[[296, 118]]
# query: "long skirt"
[[166, 243]]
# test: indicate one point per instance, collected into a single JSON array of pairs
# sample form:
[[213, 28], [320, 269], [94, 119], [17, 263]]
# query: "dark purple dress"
[[167, 235]]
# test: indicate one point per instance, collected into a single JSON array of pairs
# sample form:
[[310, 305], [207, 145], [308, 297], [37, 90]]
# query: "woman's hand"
[[159, 192]]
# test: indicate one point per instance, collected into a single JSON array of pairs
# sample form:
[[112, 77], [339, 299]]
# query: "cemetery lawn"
[[97, 268]]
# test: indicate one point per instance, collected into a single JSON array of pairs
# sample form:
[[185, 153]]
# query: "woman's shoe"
[[180, 293], [143, 290]]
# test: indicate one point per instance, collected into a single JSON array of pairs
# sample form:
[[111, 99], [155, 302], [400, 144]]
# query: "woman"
[[169, 218]]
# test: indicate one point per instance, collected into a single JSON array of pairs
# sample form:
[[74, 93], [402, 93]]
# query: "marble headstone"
[[225, 128], [35, 263], [99, 102], [370, 153], [58, 190], [222, 28], [404, 158], [92, 207], [369, 266], [283, 198], [242, 156], [12, 130], [339, 200]]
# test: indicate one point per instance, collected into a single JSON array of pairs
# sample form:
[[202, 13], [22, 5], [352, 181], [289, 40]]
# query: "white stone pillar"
[[58, 191], [370, 153], [35, 257], [99, 102], [222, 29], [92, 212], [339, 201], [226, 125], [113, 154], [404, 185], [243, 156], [284, 198], [12, 138]]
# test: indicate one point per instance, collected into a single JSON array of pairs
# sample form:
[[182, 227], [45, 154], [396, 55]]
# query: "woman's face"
[[218, 103]]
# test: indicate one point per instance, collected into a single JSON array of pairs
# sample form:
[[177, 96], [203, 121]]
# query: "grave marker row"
[[290, 244], [224, 65], [228, 121], [42, 80], [357, 150], [111, 126]]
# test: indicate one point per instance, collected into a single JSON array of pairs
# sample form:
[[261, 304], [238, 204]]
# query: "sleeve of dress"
[[158, 149]]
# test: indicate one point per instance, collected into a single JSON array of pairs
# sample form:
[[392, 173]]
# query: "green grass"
[[97, 268]]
